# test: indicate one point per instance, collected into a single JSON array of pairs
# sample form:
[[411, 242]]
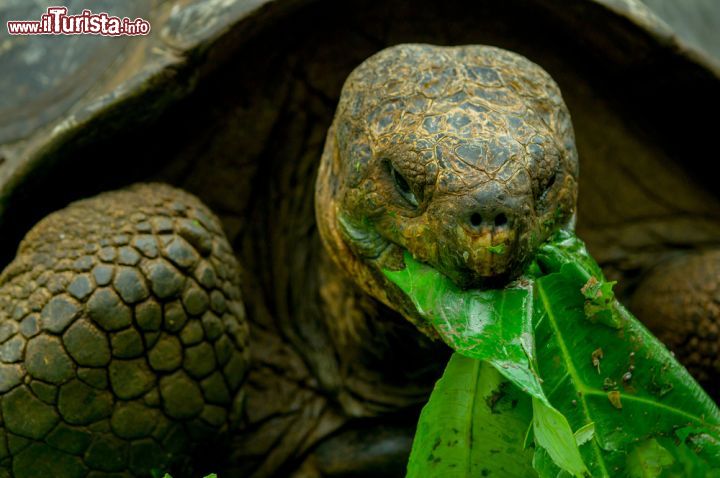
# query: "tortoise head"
[[463, 156]]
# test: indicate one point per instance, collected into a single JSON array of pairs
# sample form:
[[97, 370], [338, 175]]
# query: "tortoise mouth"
[[488, 261], [470, 279], [460, 272], [477, 261]]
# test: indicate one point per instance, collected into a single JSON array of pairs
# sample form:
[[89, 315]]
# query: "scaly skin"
[[122, 337], [464, 156]]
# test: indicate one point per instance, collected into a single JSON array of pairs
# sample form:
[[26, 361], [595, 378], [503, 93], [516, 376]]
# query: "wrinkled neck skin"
[[469, 178]]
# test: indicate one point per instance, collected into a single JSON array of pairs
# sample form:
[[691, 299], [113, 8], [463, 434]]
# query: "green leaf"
[[496, 326], [473, 425], [603, 374], [640, 392]]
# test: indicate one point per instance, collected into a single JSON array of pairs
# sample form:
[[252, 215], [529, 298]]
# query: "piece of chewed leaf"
[[496, 249], [599, 297], [495, 326]]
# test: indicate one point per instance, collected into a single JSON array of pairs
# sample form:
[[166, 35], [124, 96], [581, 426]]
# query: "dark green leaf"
[[636, 411], [639, 392]]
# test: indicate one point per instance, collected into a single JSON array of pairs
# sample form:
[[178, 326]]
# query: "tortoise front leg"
[[123, 340]]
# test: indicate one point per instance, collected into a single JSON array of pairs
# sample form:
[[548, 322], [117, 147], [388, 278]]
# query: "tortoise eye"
[[547, 186], [403, 187]]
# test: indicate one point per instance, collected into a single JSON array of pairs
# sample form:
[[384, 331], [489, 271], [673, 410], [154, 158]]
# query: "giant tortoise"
[[148, 328]]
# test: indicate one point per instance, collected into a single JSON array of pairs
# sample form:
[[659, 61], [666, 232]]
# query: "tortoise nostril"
[[488, 219]]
